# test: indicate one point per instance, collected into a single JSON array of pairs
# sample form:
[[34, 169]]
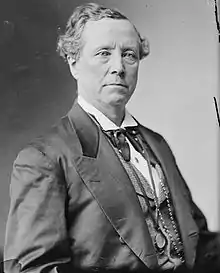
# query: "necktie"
[[118, 139], [132, 134]]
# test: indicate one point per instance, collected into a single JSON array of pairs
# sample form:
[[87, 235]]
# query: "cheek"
[[96, 71], [132, 75]]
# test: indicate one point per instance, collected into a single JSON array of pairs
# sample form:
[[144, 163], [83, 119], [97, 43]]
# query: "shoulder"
[[156, 140], [51, 145], [149, 133]]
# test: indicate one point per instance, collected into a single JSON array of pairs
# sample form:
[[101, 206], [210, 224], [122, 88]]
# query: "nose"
[[117, 65]]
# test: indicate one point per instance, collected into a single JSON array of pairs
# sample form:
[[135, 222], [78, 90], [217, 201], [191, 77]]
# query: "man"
[[100, 192]]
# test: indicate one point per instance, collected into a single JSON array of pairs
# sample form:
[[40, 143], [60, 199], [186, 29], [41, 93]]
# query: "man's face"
[[107, 69]]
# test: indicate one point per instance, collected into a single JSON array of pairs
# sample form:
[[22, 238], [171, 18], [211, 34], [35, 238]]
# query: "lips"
[[117, 84]]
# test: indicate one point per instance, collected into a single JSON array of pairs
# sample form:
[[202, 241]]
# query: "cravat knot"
[[118, 139]]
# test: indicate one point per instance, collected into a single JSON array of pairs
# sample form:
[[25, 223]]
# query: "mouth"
[[117, 84]]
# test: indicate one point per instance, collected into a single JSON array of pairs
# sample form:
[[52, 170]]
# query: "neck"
[[114, 113]]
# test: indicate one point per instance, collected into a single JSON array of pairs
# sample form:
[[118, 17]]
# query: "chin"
[[116, 98], [119, 101]]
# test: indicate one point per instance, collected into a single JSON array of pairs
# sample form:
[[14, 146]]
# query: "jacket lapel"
[[188, 227], [103, 174]]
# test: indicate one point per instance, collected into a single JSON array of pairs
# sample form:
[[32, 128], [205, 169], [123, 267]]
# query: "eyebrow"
[[103, 47], [130, 48], [109, 47]]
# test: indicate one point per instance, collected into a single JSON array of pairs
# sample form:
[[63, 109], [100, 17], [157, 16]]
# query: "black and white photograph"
[[109, 136]]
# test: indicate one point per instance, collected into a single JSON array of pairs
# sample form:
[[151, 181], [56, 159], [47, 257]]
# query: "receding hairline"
[[70, 43], [83, 41], [112, 19]]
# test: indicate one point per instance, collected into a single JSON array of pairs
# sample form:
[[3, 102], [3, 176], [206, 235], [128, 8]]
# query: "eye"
[[130, 56], [103, 53]]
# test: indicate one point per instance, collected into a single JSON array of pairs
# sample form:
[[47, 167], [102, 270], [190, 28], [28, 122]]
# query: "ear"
[[73, 66]]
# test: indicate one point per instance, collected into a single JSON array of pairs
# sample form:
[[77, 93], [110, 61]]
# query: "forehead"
[[109, 31]]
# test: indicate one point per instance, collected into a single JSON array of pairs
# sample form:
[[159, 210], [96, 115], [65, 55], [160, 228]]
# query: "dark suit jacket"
[[73, 208]]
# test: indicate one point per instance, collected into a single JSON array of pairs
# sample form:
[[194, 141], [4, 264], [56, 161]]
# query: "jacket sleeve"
[[197, 214], [36, 233], [208, 249]]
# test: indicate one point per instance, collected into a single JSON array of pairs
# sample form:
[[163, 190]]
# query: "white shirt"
[[136, 158]]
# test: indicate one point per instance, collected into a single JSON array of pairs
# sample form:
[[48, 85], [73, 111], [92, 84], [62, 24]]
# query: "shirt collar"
[[105, 122]]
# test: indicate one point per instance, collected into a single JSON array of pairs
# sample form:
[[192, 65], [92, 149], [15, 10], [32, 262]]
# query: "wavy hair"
[[69, 43]]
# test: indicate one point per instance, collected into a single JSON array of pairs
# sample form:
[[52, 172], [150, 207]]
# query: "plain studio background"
[[174, 95]]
